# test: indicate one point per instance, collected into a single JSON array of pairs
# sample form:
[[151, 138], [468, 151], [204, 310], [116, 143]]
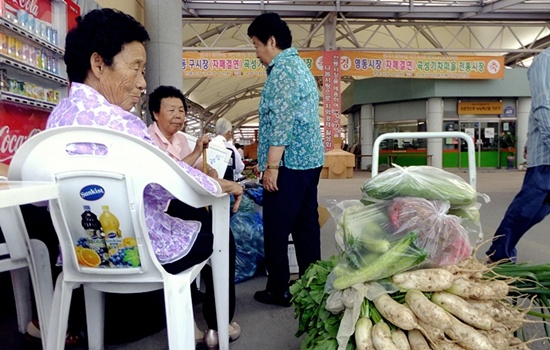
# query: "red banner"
[[17, 124], [331, 96], [73, 11], [39, 9]]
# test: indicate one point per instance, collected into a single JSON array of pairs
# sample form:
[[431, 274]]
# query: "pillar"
[[164, 55], [523, 110], [434, 123], [367, 133]]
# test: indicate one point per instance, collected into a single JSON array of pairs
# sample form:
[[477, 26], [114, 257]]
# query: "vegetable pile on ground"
[[462, 306], [406, 277]]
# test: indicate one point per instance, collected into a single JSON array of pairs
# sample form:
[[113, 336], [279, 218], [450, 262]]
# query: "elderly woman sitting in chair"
[[106, 59]]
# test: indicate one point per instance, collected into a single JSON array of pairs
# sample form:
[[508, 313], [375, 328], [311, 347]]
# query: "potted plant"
[[507, 141], [510, 159]]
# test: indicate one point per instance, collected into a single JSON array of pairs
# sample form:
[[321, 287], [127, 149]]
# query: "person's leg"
[[528, 208], [280, 210], [307, 232], [185, 212], [209, 305]]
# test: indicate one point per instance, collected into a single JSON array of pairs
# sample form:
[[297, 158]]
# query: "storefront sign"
[[331, 96], [353, 63], [479, 108], [509, 111], [26, 10]]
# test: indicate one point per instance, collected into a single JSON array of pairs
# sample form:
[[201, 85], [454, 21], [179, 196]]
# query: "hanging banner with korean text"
[[352, 63], [331, 96]]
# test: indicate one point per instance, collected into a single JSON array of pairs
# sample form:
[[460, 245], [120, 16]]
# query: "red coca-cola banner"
[[17, 124], [73, 11], [40, 9], [331, 96]]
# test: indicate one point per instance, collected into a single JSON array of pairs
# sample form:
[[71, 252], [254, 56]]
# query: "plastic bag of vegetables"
[[419, 181], [388, 237], [441, 235]]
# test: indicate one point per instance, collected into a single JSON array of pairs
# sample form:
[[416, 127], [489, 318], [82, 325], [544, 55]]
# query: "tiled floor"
[[272, 328]]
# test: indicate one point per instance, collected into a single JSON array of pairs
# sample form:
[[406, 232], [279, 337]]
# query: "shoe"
[[234, 331], [209, 339], [33, 335], [265, 297], [199, 336]]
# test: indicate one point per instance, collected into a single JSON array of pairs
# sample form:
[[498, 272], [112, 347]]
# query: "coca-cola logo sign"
[[10, 142], [31, 6], [41, 9]]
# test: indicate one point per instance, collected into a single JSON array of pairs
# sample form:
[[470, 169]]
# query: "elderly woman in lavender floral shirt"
[[106, 58]]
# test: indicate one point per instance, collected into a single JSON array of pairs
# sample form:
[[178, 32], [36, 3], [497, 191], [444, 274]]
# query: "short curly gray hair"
[[222, 126]]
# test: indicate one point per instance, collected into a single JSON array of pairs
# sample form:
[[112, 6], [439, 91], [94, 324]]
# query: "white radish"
[[468, 337], [446, 345], [427, 311], [398, 314], [425, 280], [498, 339], [464, 311], [417, 340], [430, 332], [400, 339], [497, 310], [381, 337], [363, 334], [496, 289]]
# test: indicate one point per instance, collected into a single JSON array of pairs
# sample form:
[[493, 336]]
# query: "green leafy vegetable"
[[401, 257], [309, 300]]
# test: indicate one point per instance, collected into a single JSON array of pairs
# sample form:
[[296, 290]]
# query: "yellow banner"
[[353, 63], [480, 108]]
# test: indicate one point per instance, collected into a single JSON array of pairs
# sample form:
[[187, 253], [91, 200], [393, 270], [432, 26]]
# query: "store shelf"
[[26, 101], [15, 28], [33, 70]]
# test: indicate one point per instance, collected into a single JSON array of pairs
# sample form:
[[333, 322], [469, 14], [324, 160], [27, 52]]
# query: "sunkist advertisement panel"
[[352, 63]]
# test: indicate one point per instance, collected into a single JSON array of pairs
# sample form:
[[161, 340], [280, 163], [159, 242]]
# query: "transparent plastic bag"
[[420, 181], [392, 236], [442, 235]]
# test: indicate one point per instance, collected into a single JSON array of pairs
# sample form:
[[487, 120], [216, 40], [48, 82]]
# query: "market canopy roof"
[[514, 29]]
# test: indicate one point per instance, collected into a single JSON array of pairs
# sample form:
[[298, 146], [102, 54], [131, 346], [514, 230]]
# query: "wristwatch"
[[272, 166]]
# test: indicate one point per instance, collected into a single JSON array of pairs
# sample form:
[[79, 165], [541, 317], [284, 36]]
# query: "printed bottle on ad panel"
[[94, 235], [110, 224]]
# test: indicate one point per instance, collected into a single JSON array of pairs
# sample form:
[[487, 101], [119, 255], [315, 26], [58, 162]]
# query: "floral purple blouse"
[[172, 238]]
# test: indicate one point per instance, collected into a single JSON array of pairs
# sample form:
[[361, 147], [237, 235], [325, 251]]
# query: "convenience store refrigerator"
[[32, 73]]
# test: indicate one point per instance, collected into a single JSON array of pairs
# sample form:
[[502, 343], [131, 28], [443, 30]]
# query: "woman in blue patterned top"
[[290, 153]]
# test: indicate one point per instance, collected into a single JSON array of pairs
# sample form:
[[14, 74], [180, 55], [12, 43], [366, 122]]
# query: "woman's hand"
[[233, 188], [270, 180], [202, 143], [212, 172]]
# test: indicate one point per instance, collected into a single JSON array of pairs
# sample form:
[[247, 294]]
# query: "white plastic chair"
[[27, 260], [118, 179]]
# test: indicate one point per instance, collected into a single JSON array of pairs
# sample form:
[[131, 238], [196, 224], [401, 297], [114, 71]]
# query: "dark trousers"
[[529, 207], [292, 209], [201, 250]]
